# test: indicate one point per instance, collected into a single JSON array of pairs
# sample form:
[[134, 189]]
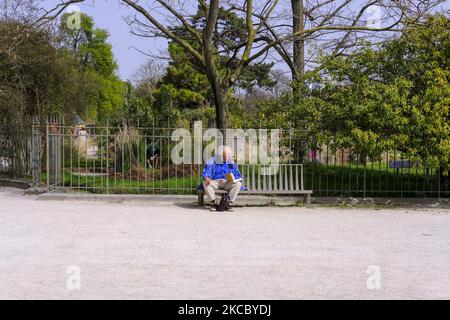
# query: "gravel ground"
[[178, 251]]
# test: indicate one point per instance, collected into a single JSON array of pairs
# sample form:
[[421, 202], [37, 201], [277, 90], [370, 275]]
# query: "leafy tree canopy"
[[393, 97], [35, 77], [95, 58]]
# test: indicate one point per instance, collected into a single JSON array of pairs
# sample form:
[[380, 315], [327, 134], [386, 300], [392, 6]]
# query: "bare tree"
[[283, 83], [146, 77], [265, 31], [382, 18], [24, 11]]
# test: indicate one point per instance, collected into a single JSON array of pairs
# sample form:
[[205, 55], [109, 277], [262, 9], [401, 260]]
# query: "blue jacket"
[[216, 170]]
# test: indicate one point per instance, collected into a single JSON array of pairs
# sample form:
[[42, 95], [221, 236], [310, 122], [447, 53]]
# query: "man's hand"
[[207, 180]]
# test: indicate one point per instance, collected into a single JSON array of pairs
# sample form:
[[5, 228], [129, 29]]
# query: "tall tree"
[[256, 40], [35, 77], [185, 80], [96, 59]]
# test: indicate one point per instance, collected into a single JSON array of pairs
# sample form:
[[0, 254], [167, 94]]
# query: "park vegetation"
[[344, 86]]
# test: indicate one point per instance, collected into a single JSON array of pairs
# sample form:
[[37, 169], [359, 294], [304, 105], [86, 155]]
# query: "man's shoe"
[[229, 207], [214, 209], [213, 206]]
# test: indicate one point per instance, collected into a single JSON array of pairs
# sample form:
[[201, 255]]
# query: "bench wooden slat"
[[264, 185], [301, 178], [248, 172], [275, 187], [280, 179], [253, 178], [291, 177]]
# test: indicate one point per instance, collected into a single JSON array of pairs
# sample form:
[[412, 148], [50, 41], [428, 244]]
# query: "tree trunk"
[[298, 24], [219, 93], [221, 108], [218, 88]]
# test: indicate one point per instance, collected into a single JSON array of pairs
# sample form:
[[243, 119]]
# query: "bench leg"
[[200, 198], [307, 199]]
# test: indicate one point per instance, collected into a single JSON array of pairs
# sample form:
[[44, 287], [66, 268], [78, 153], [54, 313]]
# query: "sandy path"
[[181, 252]]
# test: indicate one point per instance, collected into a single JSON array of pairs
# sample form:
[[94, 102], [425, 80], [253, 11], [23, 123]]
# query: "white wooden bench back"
[[288, 178]]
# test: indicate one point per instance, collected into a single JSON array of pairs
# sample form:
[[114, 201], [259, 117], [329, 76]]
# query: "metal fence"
[[108, 159], [115, 160], [16, 147]]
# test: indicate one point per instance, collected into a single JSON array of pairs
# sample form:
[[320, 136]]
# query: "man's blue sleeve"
[[207, 170], [236, 172]]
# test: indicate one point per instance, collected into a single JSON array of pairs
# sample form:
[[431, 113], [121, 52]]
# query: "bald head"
[[224, 153]]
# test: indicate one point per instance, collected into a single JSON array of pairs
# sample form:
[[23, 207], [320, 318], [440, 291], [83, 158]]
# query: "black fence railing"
[[16, 150], [108, 159]]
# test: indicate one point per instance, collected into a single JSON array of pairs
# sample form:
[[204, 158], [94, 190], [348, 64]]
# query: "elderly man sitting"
[[221, 173]]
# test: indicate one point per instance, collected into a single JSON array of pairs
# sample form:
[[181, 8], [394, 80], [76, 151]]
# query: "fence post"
[[438, 171], [364, 177], [60, 151], [36, 153], [47, 150], [107, 155]]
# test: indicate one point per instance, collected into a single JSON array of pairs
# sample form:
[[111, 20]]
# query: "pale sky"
[[109, 15]]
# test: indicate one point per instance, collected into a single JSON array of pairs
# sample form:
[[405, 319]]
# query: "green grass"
[[373, 181], [87, 163], [102, 184], [348, 180]]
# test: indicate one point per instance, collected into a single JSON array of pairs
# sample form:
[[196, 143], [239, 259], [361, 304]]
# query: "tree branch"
[[165, 30]]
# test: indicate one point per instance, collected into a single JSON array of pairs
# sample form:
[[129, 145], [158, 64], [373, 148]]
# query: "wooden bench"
[[287, 180]]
